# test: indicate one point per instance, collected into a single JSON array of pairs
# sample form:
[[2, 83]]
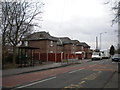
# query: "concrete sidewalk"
[[16, 71], [44, 66], [113, 81]]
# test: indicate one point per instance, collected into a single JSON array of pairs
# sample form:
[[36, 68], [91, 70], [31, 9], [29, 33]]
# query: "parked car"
[[97, 56], [116, 57]]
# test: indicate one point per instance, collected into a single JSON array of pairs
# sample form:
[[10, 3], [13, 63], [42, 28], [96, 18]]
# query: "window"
[[82, 48], [26, 43], [41, 35], [51, 51], [51, 43]]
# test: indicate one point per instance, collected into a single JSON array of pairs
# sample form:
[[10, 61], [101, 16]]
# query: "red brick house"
[[79, 49], [54, 48], [86, 49], [45, 42], [68, 48]]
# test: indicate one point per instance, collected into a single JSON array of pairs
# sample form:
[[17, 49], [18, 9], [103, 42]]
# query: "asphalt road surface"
[[94, 74]]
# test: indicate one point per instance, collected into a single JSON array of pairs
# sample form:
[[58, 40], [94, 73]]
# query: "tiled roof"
[[84, 44], [76, 42], [40, 36], [66, 40], [60, 40]]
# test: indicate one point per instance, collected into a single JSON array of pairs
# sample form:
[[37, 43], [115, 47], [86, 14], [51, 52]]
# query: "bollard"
[[40, 61]]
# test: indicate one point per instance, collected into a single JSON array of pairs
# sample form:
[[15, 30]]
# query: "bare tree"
[[4, 26], [115, 5], [115, 8], [17, 19]]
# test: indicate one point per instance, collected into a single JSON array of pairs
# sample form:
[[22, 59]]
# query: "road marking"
[[71, 86], [103, 69], [81, 82], [93, 65], [92, 76], [74, 85], [76, 70], [34, 83], [80, 69]]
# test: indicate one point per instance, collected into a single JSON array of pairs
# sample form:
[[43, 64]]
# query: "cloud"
[[82, 20], [82, 29]]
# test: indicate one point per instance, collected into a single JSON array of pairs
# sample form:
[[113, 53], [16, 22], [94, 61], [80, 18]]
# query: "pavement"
[[112, 83], [43, 66]]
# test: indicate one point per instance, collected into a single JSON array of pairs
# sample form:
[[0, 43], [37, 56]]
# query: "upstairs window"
[[41, 35], [51, 43], [26, 43], [82, 48], [51, 51]]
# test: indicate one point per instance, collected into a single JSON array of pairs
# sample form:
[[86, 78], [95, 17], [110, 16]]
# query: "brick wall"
[[44, 45], [49, 51]]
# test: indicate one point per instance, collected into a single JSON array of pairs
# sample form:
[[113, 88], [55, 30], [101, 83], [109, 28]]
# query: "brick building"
[[54, 48], [86, 49]]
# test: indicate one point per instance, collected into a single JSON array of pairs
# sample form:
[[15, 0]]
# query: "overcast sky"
[[81, 20]]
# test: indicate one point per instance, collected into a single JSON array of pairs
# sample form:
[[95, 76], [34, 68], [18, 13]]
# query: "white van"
[[97, 56]]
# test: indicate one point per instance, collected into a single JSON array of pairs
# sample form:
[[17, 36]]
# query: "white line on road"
[[76, 70], [92, 65], [35, 83], [101, 62]]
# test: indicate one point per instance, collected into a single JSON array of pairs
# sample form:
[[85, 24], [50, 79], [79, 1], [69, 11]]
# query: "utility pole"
[[119, 35], [119, 27]]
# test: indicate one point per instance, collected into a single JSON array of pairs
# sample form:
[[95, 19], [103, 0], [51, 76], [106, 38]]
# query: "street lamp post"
[[100, 39], [119, 27], [119, 36]]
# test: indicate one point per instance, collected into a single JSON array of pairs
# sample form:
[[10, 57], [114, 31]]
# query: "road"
[[94, 74]]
